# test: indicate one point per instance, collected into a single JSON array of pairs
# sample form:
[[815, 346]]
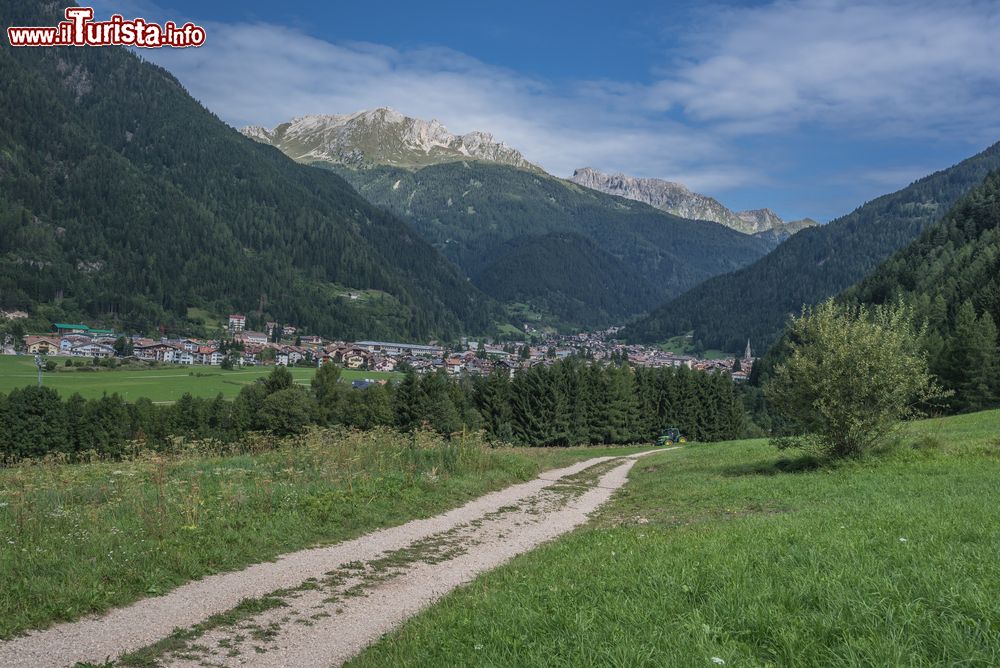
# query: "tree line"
[[567, 403]]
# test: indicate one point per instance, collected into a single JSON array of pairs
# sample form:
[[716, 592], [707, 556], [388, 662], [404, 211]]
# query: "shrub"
[[852, 376], [287, 412]]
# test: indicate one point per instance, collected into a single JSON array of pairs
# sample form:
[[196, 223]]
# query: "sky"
[[809, 108]]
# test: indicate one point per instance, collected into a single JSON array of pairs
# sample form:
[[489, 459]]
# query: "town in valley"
[[285, 345]]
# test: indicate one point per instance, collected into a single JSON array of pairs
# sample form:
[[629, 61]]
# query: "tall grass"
[[79, 538]]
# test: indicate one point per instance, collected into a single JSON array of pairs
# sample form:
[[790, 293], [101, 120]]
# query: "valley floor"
[[165, 384]]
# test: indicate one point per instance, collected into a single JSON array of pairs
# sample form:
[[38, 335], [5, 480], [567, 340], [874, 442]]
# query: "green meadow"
[[735, 554], [162, 384], [82, 538]]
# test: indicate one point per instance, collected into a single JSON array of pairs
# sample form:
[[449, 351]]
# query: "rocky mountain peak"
[[678, 199], [382, 136]]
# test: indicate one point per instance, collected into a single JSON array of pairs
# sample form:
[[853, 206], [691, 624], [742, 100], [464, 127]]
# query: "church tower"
[[748, 355]]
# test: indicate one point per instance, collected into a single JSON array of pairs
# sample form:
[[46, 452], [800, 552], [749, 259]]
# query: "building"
[[253, 338], [64, 328], [355, 359], [70, 341], [237, 322], [390, 348], [91, 349], [211, 355], [454, 365], [155, 352], [41, 345]]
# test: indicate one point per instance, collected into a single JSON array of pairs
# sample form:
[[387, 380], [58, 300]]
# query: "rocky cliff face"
[[382, 137], [678, 199]]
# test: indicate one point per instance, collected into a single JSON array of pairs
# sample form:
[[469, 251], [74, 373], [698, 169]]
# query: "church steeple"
[[749, 353]]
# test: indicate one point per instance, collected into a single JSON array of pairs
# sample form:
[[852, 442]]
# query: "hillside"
[[472, 211], [813, 265], [678, 199], [126, 203], [581, 282], [951, 275], [382, 136]]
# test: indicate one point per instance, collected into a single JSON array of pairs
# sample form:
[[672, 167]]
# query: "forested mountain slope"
[[124, 201], [813, 265], [951, 276], [581, 282], [478, 213]]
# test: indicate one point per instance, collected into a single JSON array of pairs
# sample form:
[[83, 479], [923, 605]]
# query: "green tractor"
[[671, 436]]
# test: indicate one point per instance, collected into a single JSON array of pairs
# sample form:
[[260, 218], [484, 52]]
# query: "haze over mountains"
[[519, 234], [678, 199]]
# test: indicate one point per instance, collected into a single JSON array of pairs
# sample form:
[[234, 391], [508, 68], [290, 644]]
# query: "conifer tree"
[[328, 391], [405, 404], [971, 360], [493, 401]]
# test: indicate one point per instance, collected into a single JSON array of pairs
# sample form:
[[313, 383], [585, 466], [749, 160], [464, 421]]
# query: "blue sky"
[[810, 108]]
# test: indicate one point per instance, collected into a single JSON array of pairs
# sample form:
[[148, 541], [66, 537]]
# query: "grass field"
[[682, 345], [733, 554], [163, 384], [83, 538]]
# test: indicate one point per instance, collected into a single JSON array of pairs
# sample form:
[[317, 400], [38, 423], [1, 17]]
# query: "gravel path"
[[331, 602]]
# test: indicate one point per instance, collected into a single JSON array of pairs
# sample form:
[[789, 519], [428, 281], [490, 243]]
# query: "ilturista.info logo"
[[80, 29]]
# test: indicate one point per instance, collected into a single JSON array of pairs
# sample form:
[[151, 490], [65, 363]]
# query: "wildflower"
[[479, 647], [718, 661], [902, 540]]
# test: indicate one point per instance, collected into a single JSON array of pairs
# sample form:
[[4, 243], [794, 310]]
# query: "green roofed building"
[[63, 328]]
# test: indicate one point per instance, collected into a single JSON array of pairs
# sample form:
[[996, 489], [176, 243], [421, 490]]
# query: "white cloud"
[[265, 74], [891, 68], [914, 69]]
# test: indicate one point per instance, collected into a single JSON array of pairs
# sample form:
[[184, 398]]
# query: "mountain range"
[[523, 236], [128, 203], [382, 137], [678, 199]]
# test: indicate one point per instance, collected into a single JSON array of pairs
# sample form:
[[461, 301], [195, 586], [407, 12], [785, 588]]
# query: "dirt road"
[[320, 607]]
